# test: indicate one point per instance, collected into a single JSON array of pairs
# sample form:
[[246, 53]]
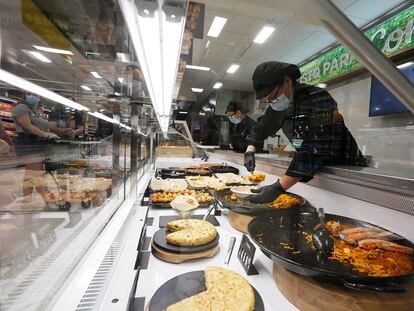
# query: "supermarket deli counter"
[[162, 274]]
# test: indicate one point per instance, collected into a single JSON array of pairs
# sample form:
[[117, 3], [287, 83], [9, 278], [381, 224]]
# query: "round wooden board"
[[239, 221], [309, 295], [179, 258]]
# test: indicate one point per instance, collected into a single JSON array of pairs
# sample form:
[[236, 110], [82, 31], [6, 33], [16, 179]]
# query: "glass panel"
[[67, 80]]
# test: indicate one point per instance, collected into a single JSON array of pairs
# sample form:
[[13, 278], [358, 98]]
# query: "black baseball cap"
[[236, 106], [269, 75]]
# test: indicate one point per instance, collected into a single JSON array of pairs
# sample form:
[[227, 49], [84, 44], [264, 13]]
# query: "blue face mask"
[[281, 103], [32, 100], [234, 120]]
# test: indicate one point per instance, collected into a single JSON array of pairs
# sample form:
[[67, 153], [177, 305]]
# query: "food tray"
[[206, 172], [272, 232], [245, 207], [224, 169], [171, 173]]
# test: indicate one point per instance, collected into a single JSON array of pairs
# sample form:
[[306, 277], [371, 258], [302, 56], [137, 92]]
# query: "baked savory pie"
[[190, 232], [226, 291]]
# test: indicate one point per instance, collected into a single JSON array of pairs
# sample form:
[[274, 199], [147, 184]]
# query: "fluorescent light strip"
[[217, 85], [40, 56], [233, 68], [264, 34], [86, 88], [217, 26], [36, 89], [197, 67], [103, 117], [197, 90], [52, 50], [96, 75], [405, 65]]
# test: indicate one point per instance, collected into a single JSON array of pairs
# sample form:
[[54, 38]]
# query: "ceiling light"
[[52, 50], [40, 56], [36, 89], [264, 34], [96, 75], [197, 67], [322, 85], [121, 80], [197, 90], [157, 43], [217, 85], [122, 57], [86, 88], [216, 26], [233, 68], [405, 65]]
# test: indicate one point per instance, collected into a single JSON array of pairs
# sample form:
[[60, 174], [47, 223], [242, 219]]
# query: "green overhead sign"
[[391, 37]]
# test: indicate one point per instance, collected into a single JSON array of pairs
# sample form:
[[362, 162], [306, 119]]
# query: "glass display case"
[[74, 113], [108, 200]]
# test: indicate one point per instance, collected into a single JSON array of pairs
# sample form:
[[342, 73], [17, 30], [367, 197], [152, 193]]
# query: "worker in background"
[[309, 118], [242, 125]]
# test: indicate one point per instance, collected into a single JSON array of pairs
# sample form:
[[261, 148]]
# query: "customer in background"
[[242, 125], [33, 134], [6, 143]]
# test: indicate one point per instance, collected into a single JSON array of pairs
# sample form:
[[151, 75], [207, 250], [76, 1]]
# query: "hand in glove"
[[249, 161], [266, 194], [52, 136]]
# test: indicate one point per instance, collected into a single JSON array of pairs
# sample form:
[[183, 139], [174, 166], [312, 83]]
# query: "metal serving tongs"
[[229, 251]]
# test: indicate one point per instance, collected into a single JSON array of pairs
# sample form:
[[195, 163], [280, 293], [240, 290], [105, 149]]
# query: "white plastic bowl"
[[182, 206], [242, 191]]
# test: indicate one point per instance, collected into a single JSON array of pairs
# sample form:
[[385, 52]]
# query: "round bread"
[[226, 291], [190, 232]]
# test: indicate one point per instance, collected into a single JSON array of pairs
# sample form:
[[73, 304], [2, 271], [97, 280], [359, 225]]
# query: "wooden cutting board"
[[309, 295], [179, 258], [240, 222]]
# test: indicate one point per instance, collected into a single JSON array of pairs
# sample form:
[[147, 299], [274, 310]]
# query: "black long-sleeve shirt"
[[315, 128], [240, 132]]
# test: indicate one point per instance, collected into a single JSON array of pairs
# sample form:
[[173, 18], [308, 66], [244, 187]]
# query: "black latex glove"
[[266, 194], [249, 161]]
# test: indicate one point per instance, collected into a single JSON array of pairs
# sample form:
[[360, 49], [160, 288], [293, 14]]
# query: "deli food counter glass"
[[109, 200]]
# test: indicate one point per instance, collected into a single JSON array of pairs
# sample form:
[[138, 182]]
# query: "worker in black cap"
[[242, 125], [310, 119]]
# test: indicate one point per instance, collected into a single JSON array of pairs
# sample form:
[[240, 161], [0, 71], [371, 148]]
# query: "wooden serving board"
[[239, 221], [309, 295], [179, 258]]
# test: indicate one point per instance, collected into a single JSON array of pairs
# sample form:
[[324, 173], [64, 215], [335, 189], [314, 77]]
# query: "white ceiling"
[[292, 42]]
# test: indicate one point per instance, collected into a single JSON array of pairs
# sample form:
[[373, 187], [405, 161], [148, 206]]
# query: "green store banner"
[[392, 36]]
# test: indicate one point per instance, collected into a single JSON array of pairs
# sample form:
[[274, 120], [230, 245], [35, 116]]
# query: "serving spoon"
[[321, 237]]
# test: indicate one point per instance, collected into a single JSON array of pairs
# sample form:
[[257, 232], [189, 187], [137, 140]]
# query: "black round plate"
[[161, 242], [254, 209], [184, 286], [270, 231]]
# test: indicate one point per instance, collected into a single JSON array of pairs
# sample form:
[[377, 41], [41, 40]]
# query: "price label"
[[246, 255]]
